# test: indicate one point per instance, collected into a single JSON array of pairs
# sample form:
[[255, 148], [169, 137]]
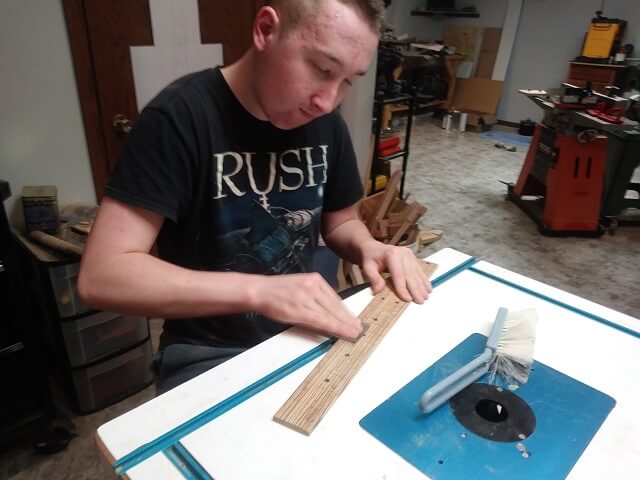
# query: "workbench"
[[568, 119], [219, 424]]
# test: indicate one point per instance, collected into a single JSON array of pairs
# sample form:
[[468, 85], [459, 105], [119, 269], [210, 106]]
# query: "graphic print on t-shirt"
[[237, 193], [255, 231]]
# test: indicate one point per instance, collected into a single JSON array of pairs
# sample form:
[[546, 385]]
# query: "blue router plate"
[[568, 414]]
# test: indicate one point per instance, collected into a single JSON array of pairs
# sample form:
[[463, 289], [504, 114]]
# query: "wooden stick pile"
[[390, 220]]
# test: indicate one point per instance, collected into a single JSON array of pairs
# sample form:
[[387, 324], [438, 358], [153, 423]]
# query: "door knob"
[[122, 124]]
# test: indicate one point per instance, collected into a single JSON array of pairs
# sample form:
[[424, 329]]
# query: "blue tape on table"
[[568, 414]]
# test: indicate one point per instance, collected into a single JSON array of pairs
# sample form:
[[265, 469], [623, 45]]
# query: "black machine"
[[26, 406]]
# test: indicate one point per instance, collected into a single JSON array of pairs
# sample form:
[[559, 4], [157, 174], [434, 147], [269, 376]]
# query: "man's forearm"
[[349, 240], [138, 283]]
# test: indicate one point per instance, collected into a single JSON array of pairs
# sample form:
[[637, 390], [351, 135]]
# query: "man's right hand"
[[118, 274], [303, 299]]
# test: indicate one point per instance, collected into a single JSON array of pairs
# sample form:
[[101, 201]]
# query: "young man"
[[234, 172]]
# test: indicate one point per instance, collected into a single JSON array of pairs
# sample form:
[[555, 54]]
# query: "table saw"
[[562, 183]]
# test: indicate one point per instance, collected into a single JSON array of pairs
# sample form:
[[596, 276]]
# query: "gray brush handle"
[[465, 376], [457, 381]]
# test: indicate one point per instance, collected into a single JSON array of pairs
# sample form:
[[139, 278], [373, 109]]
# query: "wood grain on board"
[[317, 393]]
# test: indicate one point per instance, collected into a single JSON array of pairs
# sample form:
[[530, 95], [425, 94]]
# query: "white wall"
[[357, 111], [42, 138], [176, 49], [430, 28], [549, 35]]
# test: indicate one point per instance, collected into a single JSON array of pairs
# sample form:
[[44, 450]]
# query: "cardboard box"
[[488, 52], [479, 98], [464, 39], [479, 121]]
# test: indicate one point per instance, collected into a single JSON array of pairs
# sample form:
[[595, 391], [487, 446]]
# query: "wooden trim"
[[105, 455], [87, 92]]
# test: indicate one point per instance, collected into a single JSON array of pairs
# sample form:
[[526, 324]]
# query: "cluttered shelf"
[[388, 149], [444, 13], [421, 76], [395, 108], [428, 74]]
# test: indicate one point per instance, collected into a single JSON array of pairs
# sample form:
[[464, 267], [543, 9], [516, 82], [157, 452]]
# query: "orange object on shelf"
[[389, 142], [389, 151], [600, 38]]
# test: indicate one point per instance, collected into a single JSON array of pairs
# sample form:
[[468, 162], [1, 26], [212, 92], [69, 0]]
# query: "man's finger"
[[340, 319], [398, 276], [373, 275], [318, 318], [418, 289]]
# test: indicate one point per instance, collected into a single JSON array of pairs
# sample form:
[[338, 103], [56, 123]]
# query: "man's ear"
[[266, 27]]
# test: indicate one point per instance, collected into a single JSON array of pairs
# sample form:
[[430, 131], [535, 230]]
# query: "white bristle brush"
[[508, 353]]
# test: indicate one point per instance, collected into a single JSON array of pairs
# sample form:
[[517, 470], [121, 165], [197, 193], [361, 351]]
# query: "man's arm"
[[348, 237], [118, 273]]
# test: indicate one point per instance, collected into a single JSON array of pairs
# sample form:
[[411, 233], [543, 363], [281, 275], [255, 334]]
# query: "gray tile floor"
[[458, 177]]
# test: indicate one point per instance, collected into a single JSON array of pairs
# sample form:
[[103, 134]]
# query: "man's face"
[[305, 73]]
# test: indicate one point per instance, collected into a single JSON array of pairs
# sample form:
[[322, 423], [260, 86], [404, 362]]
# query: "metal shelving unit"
[[378, 161], [443, 13]]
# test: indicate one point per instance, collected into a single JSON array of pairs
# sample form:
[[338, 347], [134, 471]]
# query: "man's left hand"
[[409, 281]]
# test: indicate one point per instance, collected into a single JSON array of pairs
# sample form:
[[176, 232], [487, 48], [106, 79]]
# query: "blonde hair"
[[295, 12]]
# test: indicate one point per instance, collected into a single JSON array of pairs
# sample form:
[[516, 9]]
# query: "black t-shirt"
[[238, 193]]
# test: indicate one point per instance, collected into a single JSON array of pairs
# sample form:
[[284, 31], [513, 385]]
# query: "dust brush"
[[508, 354]]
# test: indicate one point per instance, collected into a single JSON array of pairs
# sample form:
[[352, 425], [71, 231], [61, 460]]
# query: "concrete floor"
[[458, 176]]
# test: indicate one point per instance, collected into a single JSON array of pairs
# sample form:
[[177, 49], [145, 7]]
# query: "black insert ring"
[[493, 413]]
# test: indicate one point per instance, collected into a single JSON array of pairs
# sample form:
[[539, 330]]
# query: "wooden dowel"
[[56, 243]]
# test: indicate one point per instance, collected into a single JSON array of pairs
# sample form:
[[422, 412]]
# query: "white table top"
[[246, 443]]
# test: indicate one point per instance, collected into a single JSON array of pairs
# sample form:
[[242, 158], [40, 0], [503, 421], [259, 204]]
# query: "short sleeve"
[[344, 187], [155, 168]]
